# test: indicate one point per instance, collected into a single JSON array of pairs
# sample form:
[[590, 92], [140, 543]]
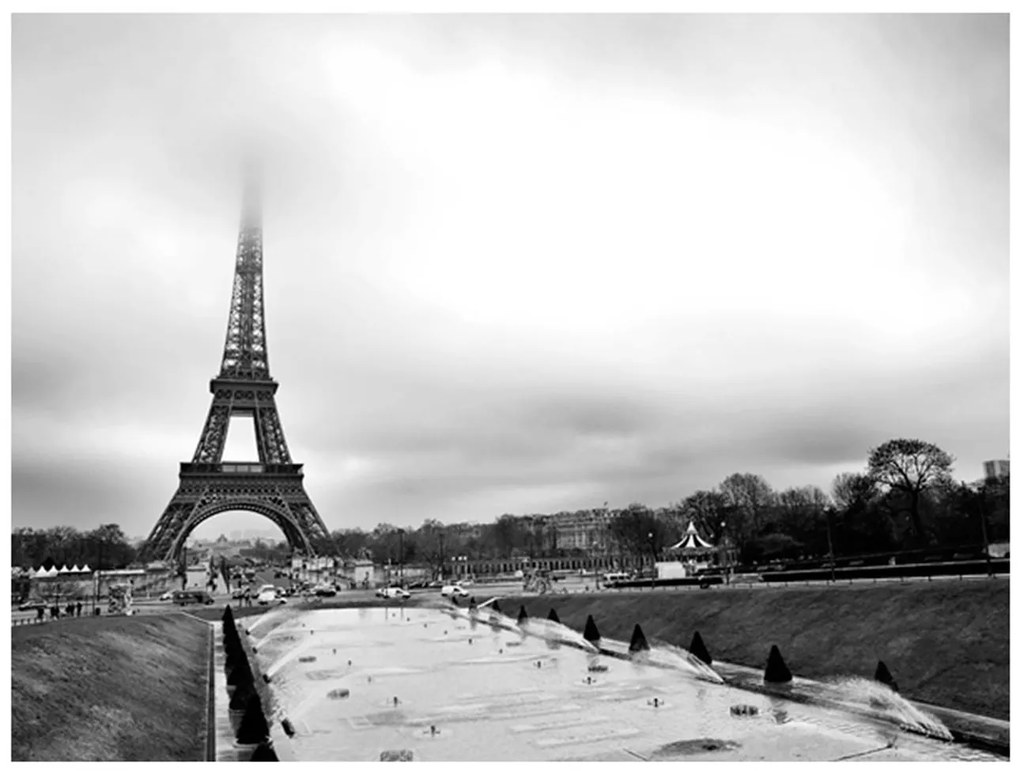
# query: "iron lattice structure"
[[272, 487]]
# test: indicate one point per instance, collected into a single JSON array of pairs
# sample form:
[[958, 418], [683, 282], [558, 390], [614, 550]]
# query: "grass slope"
[[110, 689], [945, 642]]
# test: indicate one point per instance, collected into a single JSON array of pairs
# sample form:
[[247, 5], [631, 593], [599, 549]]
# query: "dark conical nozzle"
[[265, 752], [552, 615], [698, 648], [884, 676], [591, 632], [776, 670], [638, 642], [522, 615], [253, 728]]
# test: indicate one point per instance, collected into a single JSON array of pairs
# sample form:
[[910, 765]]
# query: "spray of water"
[[550, 630], [289, 656], [663, 654], [870, 696]]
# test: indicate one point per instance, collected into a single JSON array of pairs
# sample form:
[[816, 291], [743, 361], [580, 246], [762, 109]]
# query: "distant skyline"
[[513, 263]]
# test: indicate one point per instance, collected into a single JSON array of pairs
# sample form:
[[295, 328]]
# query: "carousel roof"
[[691, 541]]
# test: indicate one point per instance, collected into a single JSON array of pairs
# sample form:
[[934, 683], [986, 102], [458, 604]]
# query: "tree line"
[[105, 548], [904, 498]]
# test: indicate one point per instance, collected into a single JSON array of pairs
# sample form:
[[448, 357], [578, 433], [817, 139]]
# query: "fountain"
[[437, 691]]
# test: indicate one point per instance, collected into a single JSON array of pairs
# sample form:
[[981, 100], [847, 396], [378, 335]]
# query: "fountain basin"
[[443, 698]]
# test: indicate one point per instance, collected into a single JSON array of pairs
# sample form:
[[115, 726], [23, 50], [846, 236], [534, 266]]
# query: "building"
[[996, 469], [586, 530]]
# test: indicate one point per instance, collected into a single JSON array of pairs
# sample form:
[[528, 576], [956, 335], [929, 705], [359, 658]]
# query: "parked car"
[[268, 594], [455, 590], [324, 590], [32, 605], [192, 597], [166, 595], [392, 593]]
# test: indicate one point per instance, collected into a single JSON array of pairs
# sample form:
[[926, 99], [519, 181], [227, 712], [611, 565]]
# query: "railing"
[[240, 468], [973, 568]]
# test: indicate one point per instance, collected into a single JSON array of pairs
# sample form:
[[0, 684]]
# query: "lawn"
[[945, 642], [110, 688]]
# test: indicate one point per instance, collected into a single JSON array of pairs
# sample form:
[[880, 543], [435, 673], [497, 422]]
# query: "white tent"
[[40, 573], [64, 569], [86, 569], [75, 569], [52, 572], [692, 541]]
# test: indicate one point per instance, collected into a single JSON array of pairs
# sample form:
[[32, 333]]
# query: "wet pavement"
[[422, 683]]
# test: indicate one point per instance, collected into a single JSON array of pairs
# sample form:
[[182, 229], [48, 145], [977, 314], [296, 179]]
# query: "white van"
[[613, 577], [454, 590]]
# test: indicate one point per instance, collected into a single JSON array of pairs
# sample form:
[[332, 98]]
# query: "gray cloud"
[[513, 263]]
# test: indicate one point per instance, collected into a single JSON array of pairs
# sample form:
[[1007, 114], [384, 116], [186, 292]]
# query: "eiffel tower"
[[274, 486]]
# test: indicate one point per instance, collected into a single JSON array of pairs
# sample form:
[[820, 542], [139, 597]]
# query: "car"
[[192, 596], [392, 593], [454, 590], [267, 595], [32, 605], [324, 590], [166, 596]]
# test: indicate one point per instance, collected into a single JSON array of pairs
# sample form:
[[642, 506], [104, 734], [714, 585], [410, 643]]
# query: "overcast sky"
[[512, 263]]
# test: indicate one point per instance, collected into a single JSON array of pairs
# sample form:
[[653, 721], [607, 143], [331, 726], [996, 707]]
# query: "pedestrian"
[[54, 611], [78, 609], [39, 613], [70, 610]]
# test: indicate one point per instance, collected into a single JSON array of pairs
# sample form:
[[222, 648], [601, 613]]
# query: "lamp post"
[[984, 533], [724, 541], [400, 533], [832, 552]]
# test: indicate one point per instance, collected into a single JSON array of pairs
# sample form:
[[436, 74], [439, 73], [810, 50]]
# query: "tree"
[[639, 531], [859, 523], [507, 534], [748, 498], [707, 509], [802, 514], [352, 543], [429, 540], [909, 468]]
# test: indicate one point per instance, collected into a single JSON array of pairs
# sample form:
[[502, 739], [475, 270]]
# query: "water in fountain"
[[871, 696], [291, 654], [665, 655], [550, 630]]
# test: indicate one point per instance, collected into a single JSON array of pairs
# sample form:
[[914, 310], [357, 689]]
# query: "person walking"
[[54, 611], [39, 613], [78, 609]]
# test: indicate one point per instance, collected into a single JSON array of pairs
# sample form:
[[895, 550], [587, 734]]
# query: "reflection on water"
[[356, 683]]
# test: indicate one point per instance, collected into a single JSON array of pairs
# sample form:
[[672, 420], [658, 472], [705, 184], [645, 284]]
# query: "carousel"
[[693, 550]]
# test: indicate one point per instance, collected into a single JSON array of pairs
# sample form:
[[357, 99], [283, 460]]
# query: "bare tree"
[[910, 467]]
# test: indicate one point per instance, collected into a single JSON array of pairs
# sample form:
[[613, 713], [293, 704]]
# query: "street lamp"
[[400, 532], [832, 552], [724, 541]]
